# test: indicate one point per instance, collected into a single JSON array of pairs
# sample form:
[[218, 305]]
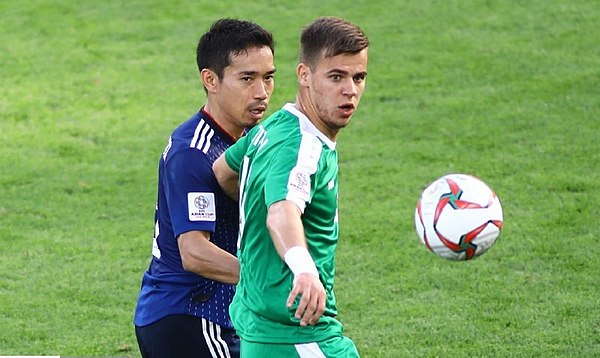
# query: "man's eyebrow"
[[338, 70], [253, 73], [344, 72]]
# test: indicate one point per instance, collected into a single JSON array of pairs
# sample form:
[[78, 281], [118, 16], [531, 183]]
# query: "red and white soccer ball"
[[458, 217]]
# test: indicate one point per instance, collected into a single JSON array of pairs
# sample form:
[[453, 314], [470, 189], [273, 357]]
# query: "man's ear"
[[303, 72], [210, 80]]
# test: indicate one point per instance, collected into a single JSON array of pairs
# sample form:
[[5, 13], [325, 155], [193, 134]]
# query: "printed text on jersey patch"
[[201, 206]]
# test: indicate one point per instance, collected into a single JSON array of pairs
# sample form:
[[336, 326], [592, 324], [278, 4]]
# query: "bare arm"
[[226, 177], [285, 226], [286, 230], [202, 257]]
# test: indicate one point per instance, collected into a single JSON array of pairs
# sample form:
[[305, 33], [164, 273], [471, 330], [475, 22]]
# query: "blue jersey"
[[189, 198]]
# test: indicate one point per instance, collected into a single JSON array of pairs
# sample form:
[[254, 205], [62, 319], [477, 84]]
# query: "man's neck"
[[311, 113], [222, 121]]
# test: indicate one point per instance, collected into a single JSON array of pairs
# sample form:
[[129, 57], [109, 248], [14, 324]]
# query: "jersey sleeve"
[[234, 155], [190, 188], [292, 171]]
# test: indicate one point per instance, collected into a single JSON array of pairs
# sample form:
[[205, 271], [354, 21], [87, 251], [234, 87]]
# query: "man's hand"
[[312, 300]]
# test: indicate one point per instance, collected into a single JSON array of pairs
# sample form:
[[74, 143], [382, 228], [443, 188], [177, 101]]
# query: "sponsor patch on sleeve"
[[201, 207]]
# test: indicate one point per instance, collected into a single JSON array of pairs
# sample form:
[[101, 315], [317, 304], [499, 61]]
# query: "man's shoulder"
[[280, 117], [185, 144], [198, 135], [281, 124], [191, 127]]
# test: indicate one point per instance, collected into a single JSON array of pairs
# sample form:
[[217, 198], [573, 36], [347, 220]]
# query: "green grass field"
[[505, 90]]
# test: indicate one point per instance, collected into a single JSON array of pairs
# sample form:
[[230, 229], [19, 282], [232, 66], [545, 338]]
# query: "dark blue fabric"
[[186, 167]]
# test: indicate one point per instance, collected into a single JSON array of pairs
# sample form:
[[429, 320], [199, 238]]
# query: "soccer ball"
[[458, 217]]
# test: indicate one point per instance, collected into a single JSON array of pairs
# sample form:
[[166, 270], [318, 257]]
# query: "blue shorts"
[[182, 336]]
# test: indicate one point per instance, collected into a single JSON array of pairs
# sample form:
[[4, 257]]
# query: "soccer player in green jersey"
[[285, 172]]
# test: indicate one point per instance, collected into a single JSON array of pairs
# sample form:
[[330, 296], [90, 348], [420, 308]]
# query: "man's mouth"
[[258, 110], [347, 109]]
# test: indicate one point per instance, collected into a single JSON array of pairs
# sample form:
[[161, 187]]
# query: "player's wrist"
[[299, 261]]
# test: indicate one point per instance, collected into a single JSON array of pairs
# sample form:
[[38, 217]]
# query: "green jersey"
[[284, 158]]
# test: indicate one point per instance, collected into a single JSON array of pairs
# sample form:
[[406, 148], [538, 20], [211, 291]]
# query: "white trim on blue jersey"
[[202, 136]]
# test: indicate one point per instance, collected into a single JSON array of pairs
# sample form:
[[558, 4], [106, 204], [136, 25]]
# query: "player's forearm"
[[285, 226], [226, 177], [287, 232], [202, 257], [221, 266]]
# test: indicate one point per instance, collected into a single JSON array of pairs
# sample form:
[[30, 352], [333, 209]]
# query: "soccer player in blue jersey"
[[182, 309]]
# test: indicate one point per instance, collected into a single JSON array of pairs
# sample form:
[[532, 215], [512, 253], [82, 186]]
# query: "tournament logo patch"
[[301, 179], [201, 207], [201, 202], [299, 184]]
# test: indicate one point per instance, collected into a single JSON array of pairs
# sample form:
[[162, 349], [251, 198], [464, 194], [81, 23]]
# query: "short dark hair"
[[227, 38], [330, 36]]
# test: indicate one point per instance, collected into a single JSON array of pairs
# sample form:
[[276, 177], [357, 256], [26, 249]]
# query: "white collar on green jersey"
[[307, 126]]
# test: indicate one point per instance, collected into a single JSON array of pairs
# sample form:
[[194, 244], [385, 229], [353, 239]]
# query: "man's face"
[[335, 86], [244, 91]]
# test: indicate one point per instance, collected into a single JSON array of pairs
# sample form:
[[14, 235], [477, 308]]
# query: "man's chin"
[[251, 122]]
